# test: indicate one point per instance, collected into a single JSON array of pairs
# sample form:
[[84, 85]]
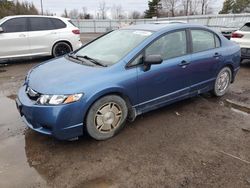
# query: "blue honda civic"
[[123, 74]]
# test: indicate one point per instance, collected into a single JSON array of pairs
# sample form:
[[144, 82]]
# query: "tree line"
[[156, 8], [235, 6], [172, 8], [8, 8]]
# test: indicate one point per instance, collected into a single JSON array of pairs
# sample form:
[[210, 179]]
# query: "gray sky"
[[57, 6]]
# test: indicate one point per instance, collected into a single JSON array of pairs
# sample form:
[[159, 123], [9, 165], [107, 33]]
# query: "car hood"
[[62, 76]]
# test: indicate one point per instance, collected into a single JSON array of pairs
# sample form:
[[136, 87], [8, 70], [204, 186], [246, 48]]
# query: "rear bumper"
[[76, 44], [63, 121], [245, 53]]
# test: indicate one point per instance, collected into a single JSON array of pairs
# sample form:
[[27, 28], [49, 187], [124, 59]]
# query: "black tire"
[[216, 91], [60, 49], [96, 117]]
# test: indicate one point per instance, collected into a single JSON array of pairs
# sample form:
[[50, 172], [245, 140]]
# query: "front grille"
[[32, 94]]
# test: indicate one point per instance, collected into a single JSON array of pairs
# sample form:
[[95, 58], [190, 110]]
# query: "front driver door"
[[14, 38], [169, 80]]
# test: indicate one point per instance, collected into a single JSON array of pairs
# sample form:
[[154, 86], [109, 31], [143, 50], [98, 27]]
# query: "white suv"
[[24, 36], [242, 37]]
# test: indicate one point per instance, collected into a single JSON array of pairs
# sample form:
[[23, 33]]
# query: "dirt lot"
[[199, 142]]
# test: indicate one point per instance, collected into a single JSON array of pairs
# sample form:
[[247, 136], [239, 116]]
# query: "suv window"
[[204, 40], [246, 27], [41, 24], [72, 23], [58, 24], [15, 25], [169, 46]]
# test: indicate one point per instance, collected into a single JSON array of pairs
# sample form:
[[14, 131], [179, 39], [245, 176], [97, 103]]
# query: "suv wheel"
[[60, 49]]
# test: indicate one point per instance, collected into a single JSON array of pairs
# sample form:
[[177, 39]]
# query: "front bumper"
[[62, 121]]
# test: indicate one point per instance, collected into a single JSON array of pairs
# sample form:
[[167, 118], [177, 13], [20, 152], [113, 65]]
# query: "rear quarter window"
[[246, 27], [58, 24], [71, 22]]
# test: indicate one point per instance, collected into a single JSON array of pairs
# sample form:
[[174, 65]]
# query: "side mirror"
[[1, 30], [151, 60]]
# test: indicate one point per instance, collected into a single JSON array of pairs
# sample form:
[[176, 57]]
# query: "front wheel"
[[60, 49], [106, 117], [222, 82]]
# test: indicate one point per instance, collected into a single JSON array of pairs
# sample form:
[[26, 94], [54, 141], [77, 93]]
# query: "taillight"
[[236, 35], [76, 31]]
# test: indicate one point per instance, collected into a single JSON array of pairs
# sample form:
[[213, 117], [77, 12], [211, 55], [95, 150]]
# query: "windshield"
[[112, 47], [1, 20]]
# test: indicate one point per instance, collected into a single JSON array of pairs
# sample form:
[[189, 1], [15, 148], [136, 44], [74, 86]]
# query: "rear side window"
[[58, 24], [72, 23], [41, 24], [246, 27], [15, 25], [169, 46], [204, 40]]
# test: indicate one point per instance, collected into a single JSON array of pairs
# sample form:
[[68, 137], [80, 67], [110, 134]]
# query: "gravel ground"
[[199, 142]]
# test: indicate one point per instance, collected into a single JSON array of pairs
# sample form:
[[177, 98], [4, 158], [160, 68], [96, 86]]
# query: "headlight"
[[58, 99]]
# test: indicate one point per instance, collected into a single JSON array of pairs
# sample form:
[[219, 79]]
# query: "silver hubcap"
[[223, 81], [108, 117]]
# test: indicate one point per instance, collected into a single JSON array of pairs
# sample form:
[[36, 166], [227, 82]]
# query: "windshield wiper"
[[73, 56], [96, 62]]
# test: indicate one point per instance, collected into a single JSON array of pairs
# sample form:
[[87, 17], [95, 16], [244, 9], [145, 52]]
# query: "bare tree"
[[74, 14], [135, 15], [103, 9], [204, 6], [65, 13], [193, 7], [185, 4], [117, 12], [171, 5]]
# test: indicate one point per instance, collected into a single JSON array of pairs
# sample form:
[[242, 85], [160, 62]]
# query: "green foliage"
[[235, 6], [152, 9], [8, 8], [227, 7], [241, 6]]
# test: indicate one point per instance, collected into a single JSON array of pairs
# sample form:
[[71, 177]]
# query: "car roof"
[[38, 16], [154, 27]]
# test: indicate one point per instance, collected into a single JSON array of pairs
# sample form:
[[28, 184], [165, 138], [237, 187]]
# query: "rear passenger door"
[[206, 55], [14, 38], [42, 35]]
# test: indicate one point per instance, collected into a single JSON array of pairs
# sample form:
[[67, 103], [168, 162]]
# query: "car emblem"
[[31, 92]]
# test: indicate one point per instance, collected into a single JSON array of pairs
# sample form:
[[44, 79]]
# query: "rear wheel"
[[106, 117], [222, 82], [60, 49]]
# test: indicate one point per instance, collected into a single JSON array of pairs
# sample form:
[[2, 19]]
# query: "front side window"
[[41, 24], [169, 46], [15, 25], [204, 40], [113, 46]]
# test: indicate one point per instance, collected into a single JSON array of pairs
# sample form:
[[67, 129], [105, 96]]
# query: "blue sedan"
[[123, 74]]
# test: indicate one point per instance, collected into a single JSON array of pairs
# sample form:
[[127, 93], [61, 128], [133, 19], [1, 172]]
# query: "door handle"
[[184, 64], [53, 32], [216, 55]]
